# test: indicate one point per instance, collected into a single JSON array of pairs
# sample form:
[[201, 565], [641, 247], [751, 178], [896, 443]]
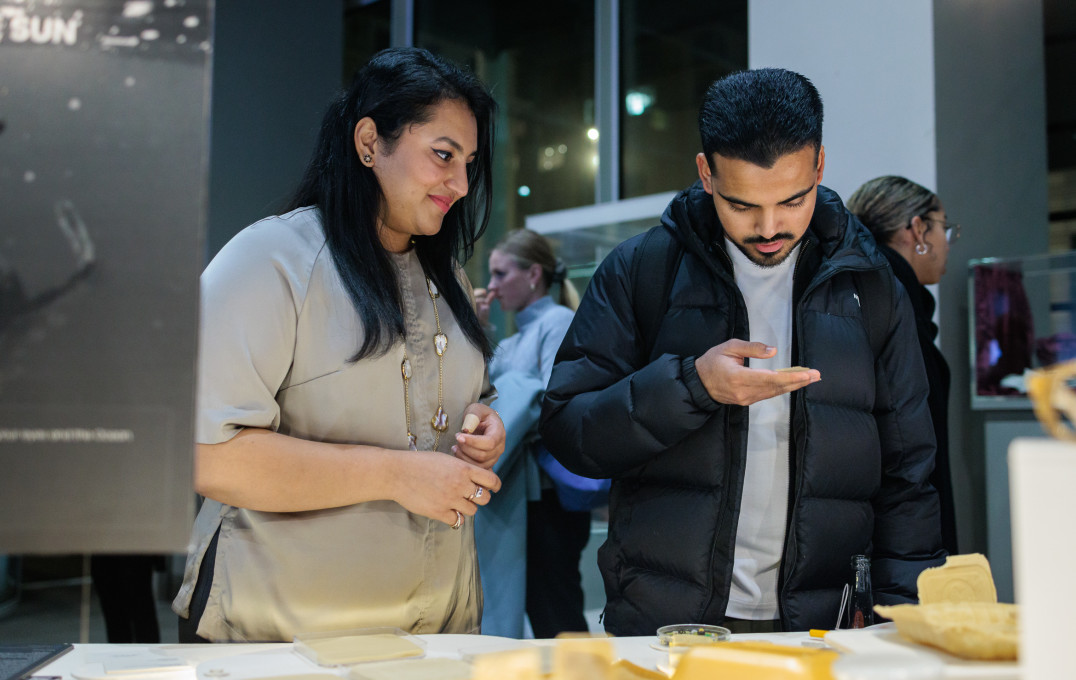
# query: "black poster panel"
[[103, 194]]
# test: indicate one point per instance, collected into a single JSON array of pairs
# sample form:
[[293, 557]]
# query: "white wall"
[[991, 115], [952, 95], [873, 64]]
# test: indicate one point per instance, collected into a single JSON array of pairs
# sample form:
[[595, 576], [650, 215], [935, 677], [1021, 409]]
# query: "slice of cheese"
[[755, 661], [963, 578]]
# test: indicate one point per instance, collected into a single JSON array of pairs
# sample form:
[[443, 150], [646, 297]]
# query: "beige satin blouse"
[[277, 330]]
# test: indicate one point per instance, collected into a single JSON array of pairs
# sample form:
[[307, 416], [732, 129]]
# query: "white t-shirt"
[[760, 533]]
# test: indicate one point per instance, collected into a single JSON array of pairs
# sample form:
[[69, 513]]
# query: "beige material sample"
[[970, 630], [963, 578], [470, 422], [416, 669], [755, 661], [348, 649], [516, 664]]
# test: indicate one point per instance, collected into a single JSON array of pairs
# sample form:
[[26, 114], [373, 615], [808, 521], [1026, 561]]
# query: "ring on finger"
[[459, 520], [476, 494]]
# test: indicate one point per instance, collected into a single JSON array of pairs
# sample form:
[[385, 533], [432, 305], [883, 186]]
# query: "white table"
[[247, 661]]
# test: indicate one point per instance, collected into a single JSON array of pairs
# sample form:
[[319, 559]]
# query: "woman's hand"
[[483, 298], [437, 486], [485, 444]]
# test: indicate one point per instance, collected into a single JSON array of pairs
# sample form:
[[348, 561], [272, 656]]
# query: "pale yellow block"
[[755, 661], [349, 649], [582, 659], [515, 664], [626, 670], [963, 578], [413, 669], [298, 676]]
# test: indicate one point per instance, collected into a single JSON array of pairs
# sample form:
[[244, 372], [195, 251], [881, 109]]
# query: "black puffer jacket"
[[862, 445]]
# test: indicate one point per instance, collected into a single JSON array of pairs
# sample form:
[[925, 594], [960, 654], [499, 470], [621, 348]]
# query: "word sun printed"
[[19, 26]]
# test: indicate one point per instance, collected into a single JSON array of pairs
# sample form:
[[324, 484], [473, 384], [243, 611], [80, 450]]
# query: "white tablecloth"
[[248, 661]]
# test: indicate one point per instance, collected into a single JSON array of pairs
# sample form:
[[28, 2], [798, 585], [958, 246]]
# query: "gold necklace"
[[439, 421]]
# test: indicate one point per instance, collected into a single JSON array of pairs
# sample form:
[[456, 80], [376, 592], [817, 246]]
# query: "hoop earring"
[[921, 248]]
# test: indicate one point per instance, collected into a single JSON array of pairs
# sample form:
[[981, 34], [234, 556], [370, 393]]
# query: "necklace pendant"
[[412, 442], [432, 288], [440, 344], [405, 368], [439, 421]]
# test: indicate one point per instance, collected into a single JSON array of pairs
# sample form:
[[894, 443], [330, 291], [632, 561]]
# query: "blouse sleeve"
[[554, 328], [489, 391], [251, 295]]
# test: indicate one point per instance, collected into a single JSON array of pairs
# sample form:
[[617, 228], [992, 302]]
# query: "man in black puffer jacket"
[[741, 490]]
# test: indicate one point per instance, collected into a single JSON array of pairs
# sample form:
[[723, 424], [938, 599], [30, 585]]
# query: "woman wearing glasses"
[[909, 223]]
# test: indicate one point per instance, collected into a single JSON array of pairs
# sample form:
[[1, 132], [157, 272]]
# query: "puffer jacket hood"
[[692, 220]]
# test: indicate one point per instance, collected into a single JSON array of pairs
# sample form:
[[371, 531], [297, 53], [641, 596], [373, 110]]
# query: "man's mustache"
[[783, 236]]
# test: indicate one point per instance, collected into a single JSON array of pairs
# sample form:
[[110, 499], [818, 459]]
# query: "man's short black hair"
[[760, 115]]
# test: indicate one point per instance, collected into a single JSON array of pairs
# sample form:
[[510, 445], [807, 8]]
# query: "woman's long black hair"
[[397, 88]]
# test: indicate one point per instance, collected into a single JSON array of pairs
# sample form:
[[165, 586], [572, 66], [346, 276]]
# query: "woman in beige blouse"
[[340, 354]]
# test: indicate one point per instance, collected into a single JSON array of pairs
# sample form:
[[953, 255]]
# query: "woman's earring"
[[533, 287], [921, 248], [366, 158]]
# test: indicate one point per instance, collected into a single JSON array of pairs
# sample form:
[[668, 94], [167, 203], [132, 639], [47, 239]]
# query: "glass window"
[[669, 55], [539, 64], [367, 30]]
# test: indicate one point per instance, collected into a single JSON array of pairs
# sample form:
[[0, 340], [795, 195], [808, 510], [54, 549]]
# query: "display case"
[[1020, 318], [584, 236]]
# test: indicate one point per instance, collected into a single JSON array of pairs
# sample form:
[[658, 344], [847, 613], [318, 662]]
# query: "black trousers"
[[555, 540], [124, 585]]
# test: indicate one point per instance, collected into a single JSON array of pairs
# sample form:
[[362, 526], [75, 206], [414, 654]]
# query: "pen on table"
[[815, 640]]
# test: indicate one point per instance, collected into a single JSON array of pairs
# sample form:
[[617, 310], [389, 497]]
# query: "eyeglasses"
[[952, 230]]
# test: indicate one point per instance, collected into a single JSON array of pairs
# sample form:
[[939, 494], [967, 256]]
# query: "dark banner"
[[103, 195]]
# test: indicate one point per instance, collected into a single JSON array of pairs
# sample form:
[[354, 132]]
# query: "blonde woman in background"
[[528, 545]]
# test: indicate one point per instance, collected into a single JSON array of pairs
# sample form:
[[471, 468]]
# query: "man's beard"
[[767, 259]]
